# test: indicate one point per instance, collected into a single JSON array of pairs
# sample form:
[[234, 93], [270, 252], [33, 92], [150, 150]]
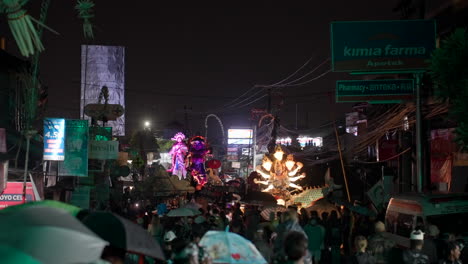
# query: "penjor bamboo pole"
[[342, 163]]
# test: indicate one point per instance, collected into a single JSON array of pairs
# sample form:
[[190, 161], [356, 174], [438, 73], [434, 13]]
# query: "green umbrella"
[[50, 235], [11, 255], [73, 210]]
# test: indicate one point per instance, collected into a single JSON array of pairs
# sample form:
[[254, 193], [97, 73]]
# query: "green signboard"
[[76, 149], [382, 46], [374, 91]]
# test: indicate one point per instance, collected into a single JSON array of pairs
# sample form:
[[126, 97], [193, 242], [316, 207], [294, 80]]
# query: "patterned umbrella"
[[225, 248], [272, 209]]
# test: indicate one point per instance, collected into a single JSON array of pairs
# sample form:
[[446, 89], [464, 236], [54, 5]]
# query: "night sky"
[[202, 54]]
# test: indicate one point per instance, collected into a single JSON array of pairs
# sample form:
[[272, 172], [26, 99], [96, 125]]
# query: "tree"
[[449, 72]]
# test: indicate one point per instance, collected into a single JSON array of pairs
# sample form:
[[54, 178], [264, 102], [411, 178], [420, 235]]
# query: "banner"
[[54, 139], [103, 150], [442, 148], [76, 149], [13, 194], [377, 195]]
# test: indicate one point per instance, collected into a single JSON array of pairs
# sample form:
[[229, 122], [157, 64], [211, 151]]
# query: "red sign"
[[13, 194], [442, 148], [387, 149]]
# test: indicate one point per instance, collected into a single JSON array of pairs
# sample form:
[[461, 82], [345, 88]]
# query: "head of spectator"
[[295, 246], [416, 240], [379, 227], [453, 251], [360, 242]]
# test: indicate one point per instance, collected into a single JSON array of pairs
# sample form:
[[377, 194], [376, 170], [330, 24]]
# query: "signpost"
[[382, 46], [375, 91], [371, 47], [103, 150], [54, 139]]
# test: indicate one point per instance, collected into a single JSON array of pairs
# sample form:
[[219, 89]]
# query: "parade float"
[[178, 153], [280, 173]]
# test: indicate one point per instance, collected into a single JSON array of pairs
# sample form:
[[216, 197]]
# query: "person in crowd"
[[304, 217], [316, 236], [430, 246], [453, 254], [414, 253], [335, 237], [379, 245], [290, 224], [155, 229], [295, 248], [113, 255], [169, 237], [262, 243], [361, 256]]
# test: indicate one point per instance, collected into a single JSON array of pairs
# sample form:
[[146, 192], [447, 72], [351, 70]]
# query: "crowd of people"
[[294, 236]]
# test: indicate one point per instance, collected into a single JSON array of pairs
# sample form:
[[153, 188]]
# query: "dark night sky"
[[208, 52]]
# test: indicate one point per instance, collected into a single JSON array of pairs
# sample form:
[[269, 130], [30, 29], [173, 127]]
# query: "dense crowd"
[[293, 236]]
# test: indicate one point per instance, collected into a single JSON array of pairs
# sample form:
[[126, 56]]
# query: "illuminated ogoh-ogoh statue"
[[179, 151], [279, 174]]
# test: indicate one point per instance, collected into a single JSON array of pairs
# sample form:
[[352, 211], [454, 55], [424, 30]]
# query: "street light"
[[147, 124]]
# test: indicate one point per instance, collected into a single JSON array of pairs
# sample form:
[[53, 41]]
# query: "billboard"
[[240, 136], [382, 46], [13, 194], [54, 139], [103, 66], [374, 91]]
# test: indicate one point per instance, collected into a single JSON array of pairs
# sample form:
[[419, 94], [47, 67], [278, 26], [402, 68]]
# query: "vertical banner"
[[76, 146], [442, 148], [103, 66], [54, 139]]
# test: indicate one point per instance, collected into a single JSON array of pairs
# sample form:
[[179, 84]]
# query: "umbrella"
[[12, 255], [259, 198], [272, 209], [73, 210], [227, 247], [50, 235], [121, 233], [179, 212], [323, 206]]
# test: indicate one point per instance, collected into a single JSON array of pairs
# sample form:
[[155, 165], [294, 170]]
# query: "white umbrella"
[[50, 235]]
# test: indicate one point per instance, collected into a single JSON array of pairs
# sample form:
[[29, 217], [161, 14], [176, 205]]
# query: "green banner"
[[76, 149], [374, 91], [80, 197], [382, 46]]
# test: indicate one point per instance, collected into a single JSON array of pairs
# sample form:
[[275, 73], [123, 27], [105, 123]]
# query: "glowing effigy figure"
[[179, 151], [279, 174], [197, 156]]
